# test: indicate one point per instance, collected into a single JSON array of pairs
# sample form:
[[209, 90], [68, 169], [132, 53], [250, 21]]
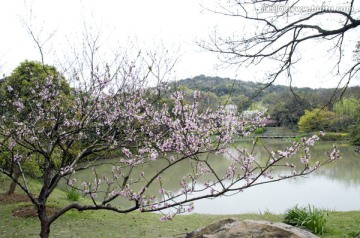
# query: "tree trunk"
[[44, 221], [45, 229], [13, 184]]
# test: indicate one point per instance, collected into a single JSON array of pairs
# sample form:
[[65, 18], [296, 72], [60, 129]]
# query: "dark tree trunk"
[[45, 229], [13, 184], [44, 222]]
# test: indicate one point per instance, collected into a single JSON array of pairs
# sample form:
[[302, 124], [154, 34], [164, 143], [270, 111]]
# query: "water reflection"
[[334, 186], [277, 197]]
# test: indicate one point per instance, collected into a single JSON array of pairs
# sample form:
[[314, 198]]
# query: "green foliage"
[[310, 217], [317, 119], [26, 83], [72, 195], [356, 233], [257, 106], [29, 74], [347, 106], [286, 112], [301, 135], [334, 136], [243, 103], [282, 105], [355, 136], [259, 131], [294, 216], [354, 131]]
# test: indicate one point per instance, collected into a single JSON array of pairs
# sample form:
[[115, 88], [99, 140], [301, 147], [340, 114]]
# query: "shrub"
[[317, 119], [310, 217], [73, 195], [259, 131]]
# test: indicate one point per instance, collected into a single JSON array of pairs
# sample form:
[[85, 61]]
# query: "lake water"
[[335, 186]]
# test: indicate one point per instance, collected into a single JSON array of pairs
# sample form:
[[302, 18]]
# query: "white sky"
[[177, 24]]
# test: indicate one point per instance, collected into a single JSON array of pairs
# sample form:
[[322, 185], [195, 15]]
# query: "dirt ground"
[[14, 198], [23, 211]]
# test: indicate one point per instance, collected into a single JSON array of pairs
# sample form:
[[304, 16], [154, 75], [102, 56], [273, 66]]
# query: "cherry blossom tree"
[[100, 120]]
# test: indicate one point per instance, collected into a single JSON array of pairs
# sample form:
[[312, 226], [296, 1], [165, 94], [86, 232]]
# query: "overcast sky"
[[177, 24]]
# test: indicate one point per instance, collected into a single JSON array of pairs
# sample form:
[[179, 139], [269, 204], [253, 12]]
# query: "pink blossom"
[[154, 154], [190, 208], [127, 152], [167, 217], [335, 154]]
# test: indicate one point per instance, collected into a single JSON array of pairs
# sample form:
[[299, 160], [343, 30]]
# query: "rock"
[[231, 228]]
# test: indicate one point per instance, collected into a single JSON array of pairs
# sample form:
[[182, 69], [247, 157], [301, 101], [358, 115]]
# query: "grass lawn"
[[136, 224]]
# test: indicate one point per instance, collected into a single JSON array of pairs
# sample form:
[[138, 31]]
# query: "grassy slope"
[[108, 224]]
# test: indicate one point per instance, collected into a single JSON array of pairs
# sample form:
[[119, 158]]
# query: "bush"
[[72, 195], [312, 218], [316, 120], [259, 131]]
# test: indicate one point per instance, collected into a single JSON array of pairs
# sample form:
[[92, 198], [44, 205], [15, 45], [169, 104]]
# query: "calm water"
[[335, 186]]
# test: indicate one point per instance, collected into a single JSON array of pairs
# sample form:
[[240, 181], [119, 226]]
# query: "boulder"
[[232, 228]]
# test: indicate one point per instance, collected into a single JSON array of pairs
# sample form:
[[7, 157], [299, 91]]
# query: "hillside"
[[284, 105], [226, 86]]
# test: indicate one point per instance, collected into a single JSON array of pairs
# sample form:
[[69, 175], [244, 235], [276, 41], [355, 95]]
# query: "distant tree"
[[317, 119], [258, 106], [355, 128], [354, 107], [242, 102], [348, 109], [286, 109], [29, 77]]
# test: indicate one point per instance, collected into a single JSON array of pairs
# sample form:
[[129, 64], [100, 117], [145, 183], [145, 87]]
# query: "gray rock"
[[232, 228]]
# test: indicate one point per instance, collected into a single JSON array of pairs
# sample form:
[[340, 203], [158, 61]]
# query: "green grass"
[[309, 217], [356, 233], [73, 195], [136, 224]]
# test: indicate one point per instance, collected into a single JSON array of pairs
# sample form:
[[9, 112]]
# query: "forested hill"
[[225, 86], [278, 101]]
